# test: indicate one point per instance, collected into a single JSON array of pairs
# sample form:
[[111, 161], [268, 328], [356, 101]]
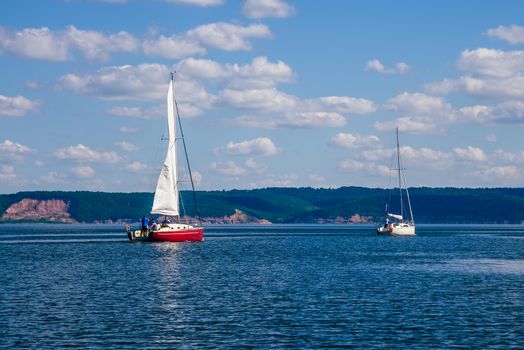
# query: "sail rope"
[[187, 158]]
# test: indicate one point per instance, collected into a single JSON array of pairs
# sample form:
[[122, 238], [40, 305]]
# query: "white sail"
[[399, 217], [166, 193]]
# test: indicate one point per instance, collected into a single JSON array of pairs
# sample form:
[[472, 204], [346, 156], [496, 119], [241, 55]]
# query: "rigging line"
[[185, 151]]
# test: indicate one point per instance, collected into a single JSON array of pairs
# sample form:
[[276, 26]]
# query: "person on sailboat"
[[145, 224], [154, 225]]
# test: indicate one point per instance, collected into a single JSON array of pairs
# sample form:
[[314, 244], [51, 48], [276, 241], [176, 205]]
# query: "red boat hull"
[[189, 235]]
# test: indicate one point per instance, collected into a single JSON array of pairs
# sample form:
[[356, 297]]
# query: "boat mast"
[[185, 152], [399, 177]]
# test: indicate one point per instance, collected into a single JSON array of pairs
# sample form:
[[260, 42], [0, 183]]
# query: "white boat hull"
[[402, 230]]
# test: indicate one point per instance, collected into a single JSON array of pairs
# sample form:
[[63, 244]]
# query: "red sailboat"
[[167, 193]]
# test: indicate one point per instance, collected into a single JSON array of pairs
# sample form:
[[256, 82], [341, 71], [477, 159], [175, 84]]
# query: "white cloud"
[[145, 81], [412, 125], [192, 68], [470, 153], [418, 104], [261, 145], [201, 3], [174, 47], [227, 36], [513, 34], [508, 157], [136, 167], [83, 171], [136, 112], [505, 174], [294, 120], [36, 43], [128, 130], [227, 168], [61, 45], [83, 153], [16, 106], [127, 146], [7, 173], [45, 44], [491, 62], [316, 178], [259, 99], [347, 140], [96, 45], [10, 150], [377, 66], [267, 8], [351, 165], [346, 104], [261, 73], [252, 165], [410, 155]]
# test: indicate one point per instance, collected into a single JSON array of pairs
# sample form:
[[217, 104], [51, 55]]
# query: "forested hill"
[[278, 205]]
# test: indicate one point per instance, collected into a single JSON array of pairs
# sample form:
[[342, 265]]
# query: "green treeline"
[[301, 205]]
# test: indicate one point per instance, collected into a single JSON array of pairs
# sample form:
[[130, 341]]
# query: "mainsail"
[[396, 216], [166, 193]]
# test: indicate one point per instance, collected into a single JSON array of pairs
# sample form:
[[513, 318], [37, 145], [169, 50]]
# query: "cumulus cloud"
[[142, 82], [173, 47], [137, 112], [228, 36], [83, 171], [227, 168], [269, 99], [201, 3], [293, 120], [347, 140], [17, 106], [371, 168], [127, 146], [7, 173], [83, 153], [491, 62], [420, 125], [418, 104], [509, 174], [61, 45], [45, 44], [267, 8], [490, 73], [346, 104], [261, 145], [10, 150], [377, 66], [204, 69], [421, 113], [128, 129], [470, 153], [261, 73], [513, 34], [136, 167]]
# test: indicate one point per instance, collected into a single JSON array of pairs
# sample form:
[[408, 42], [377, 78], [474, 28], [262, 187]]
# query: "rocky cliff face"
[[238, 217], [52, 210]]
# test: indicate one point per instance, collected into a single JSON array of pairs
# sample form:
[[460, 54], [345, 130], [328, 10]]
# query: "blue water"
[[263, 287]]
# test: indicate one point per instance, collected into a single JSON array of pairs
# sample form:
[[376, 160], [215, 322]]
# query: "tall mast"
[[187, 158], [399, 179]]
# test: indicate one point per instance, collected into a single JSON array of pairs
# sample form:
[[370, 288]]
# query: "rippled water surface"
[[263, 287]]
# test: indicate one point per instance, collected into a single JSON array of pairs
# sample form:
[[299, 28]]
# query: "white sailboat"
[[398, 224], [167, 192]]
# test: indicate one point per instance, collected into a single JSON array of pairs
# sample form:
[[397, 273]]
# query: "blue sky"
[[272, 92]]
